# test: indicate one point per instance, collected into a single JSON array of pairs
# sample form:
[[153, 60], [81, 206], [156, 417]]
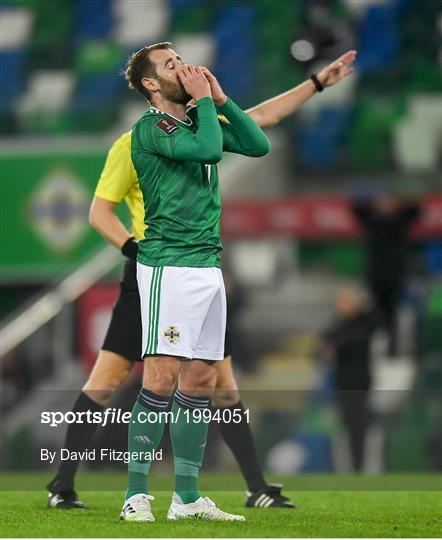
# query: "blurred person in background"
[[16, 377], [346, 343], [122, 345], [386, 224], [236, 299], [328, 35]]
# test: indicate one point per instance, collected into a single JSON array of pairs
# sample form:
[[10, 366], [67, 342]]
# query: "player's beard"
[[174, 92]]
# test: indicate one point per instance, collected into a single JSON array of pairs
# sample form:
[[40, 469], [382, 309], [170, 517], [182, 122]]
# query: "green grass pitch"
[[327, 507]]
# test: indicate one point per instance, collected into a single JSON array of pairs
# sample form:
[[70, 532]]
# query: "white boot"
[[202, 508], [137, 508]]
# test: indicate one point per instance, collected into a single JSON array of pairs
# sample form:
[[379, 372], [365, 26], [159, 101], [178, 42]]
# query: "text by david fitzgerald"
[[102, 454]]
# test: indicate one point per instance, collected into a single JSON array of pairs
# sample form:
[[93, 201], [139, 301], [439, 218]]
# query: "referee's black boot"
[[268, 497], [62, 496]]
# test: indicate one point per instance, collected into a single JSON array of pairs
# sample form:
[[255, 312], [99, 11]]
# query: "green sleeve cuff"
[[205, 100], [228, 105]]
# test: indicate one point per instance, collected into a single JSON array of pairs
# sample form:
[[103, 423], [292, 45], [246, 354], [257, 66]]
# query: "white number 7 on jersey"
[[208, 172]]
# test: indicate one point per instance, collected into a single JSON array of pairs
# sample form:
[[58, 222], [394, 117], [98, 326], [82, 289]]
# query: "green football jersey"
[[176, 166]]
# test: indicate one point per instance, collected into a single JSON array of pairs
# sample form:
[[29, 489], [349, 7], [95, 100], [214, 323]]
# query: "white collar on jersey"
[[189, 120]]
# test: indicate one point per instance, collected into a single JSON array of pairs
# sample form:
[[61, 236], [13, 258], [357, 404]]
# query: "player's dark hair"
[[140, 65]]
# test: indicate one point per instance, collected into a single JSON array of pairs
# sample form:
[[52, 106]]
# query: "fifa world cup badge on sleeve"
[[167, 125]]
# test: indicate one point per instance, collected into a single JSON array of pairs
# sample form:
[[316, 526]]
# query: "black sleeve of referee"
[[130, 248]]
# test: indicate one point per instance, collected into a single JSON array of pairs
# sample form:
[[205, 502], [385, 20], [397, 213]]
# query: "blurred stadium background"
[[290, 238]]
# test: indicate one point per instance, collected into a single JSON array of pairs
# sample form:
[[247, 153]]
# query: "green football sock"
[[189, 437], [144, 437]]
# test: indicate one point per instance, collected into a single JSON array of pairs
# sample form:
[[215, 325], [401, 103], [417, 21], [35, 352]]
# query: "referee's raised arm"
[[242, 135]]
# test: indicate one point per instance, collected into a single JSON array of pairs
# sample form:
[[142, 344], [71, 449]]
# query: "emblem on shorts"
[[172, 335], [144, 439]]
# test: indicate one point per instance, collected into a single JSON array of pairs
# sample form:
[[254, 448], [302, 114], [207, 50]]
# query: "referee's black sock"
[[238, 438], [78, 438]]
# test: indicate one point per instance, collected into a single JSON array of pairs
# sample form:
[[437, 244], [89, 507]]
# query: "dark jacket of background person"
[[347, 342], [386, 227], [386, 230]]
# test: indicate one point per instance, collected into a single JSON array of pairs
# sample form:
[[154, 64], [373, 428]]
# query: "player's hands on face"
[[194, 81], [219, 97], [337, 70]]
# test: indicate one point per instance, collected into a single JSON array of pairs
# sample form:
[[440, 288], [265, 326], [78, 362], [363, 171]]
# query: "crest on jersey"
[[172, 335], [223, 119], [167, 125]]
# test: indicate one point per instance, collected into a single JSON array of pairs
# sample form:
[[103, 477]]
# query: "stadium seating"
[[93, 19], [379, 39], [47, 95], [433, 259], [320, 144], [16, 28], [236, 49], [12, 76], [374, 121], [50, 46], [418, 136], [144, 21], [74, 53]]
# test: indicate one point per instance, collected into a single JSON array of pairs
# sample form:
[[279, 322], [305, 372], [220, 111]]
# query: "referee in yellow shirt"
[[122, 344]]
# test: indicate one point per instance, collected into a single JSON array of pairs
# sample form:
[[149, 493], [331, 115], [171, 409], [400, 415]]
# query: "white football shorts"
[[183, 311]]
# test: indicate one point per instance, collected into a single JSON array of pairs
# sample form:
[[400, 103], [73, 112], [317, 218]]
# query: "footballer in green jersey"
[[182, 296]]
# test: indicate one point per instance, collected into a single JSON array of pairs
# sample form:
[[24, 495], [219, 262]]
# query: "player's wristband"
[[130, 248], [319, 86]]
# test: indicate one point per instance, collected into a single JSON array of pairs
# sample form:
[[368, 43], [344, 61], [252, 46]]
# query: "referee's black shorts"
[[124, 333]]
